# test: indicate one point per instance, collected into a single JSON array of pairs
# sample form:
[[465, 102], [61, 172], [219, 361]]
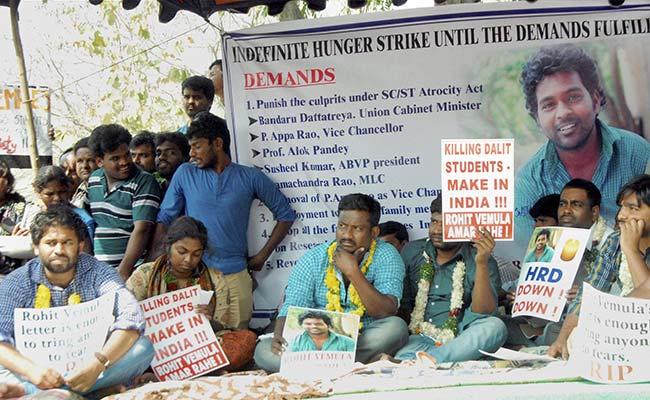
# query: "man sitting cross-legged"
[[452, 315], [367, 275], [68, 276]]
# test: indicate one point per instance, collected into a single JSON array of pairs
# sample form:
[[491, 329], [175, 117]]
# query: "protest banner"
[[478, 182], [64, 338], [321, 343], [14, 144], [550, 266], [333, 106], [612, 341], [185, 345]]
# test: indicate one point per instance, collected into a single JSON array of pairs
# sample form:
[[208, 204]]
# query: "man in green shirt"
[[318, 336], [542, 252]]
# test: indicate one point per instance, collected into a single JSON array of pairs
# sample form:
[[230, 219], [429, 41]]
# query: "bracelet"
[[102, 359]]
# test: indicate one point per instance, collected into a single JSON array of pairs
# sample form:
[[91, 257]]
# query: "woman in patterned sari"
[[182, 267]]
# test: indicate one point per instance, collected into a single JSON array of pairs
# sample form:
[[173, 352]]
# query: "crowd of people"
[[131, 215]]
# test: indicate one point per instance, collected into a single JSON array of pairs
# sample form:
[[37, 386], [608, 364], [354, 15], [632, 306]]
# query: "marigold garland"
[[449, 328], [334, 286], [44, 297]]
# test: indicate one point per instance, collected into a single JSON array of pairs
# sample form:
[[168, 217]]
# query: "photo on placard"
[[319, 342]]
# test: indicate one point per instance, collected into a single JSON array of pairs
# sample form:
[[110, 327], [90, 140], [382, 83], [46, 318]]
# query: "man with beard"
[[450, 292], [172, 149], [357, 274], [318, 336], [220, 193], [541, 252], [124, 200], [624, 256], [64, 273], [198, 95], [564, 95]]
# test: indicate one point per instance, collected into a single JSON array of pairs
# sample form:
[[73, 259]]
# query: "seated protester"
[[624, 256], [464, 282], [544, 211], [182, 267], [318, 334], [395, 233], [56, 234], [86, 165], [579, 207], [143, 149], [354, 262], [12, 207], [53, 188], [172, 149]]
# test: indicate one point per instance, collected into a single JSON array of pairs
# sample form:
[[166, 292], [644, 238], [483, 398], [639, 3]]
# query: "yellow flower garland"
[[334, 286], [44, 297]]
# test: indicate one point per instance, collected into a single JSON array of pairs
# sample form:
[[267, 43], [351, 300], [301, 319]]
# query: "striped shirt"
[[115, 212]]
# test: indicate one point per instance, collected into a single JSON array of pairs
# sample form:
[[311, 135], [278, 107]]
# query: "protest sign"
[[14, 143], [612, 341], [333, 106], [478, 182], [550, 266], [321, 343], [184, 343], [64, 338]]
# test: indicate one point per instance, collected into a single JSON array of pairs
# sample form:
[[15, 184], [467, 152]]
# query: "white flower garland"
[[450, 328], [625, 276], [599, 231]]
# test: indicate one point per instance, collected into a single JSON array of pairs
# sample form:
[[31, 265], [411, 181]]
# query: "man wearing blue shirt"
[[564, 95], [219, 193], [63, 272], [356, 273]]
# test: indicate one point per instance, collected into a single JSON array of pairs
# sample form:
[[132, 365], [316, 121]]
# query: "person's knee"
[[496, 329], [265, 358], [396, 331]]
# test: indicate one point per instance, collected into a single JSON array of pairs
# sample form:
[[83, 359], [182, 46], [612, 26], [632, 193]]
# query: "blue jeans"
[[385, 335], [133, 363], [487, 334]]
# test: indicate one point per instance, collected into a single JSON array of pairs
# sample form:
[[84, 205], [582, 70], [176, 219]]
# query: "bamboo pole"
[[24, 87]]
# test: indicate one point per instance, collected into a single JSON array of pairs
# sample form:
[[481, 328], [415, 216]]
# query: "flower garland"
[[599, 232], [334, 286], [44, 297], [625, 276], [449, 329]]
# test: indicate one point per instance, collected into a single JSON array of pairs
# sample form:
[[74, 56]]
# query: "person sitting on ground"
[[452, 315], [12, 207], [65, 275], [318, 334], [544, 211], [53, 188], [624, 256], [356, 274], [395, 233], [86, 165], [181, 267]]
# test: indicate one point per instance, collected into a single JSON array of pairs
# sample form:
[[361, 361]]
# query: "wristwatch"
[[102, 359]]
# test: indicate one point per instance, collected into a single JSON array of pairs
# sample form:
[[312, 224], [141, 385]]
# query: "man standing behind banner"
[[219, 193], [625, 255], [564, 95], [451, 289], [356, 273], [59, 276]]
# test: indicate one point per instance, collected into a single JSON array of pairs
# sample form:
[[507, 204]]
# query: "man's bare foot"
[[11, 390]]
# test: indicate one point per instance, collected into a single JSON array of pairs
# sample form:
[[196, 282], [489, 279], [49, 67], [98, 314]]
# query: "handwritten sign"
[[184, 343], [64, 338], [478, 187], [13, 128], [543, 282], [612, 341], [321, 343]]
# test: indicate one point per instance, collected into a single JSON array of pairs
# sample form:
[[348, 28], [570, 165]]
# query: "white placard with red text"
[[184, 343], [478, 187], [542, 287]]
